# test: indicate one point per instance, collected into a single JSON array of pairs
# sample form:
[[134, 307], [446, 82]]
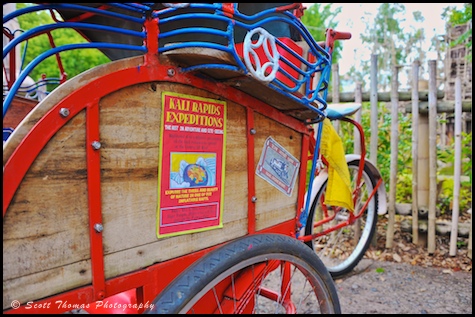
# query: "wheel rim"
[[259, 273], [340, 250], [269, 281]]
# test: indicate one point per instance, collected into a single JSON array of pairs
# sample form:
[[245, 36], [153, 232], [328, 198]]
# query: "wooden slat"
[[45, 228], [169, 248], [48, 282], [273, 206]]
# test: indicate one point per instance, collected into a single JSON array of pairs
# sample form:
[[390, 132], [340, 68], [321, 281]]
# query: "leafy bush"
[[404, 165]]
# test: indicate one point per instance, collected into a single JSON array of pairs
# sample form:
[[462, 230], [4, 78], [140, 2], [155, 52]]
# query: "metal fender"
[[382, 201]]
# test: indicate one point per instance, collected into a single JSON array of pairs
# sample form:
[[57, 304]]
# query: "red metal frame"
[[251, 196], [352, 216], [150, 281], [94, 199], [11, 77], [63, 76]]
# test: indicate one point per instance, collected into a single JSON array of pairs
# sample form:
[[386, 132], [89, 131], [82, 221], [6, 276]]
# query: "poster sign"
[[278, 166], [191, 164]]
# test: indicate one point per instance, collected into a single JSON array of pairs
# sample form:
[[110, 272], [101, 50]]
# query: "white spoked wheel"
[[260, 69]]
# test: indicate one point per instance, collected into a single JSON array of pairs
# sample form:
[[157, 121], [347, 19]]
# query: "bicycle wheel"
[[342, 249], [259, 273]]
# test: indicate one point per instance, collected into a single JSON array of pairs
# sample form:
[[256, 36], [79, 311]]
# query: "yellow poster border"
[[160, 163]]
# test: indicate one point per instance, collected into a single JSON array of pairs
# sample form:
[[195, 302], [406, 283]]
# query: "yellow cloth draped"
[[339, 192]]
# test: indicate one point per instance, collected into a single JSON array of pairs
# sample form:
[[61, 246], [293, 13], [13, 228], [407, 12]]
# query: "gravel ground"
[[376, 287]]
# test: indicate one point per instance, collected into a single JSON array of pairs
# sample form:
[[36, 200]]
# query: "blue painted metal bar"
[[42, 7], [229, 20], [65, 25], [11, 94]]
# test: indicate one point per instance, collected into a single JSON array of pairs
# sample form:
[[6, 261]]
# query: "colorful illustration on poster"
[[192, 170]]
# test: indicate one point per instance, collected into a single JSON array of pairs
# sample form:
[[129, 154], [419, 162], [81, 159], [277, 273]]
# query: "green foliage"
[[393, 45], [73, 61], [384, 140], [380, 270], [317, 18], [446, 195], [404, 188], [446, 162], [446, 157], [457, 17], [467, 154], [461, 244]]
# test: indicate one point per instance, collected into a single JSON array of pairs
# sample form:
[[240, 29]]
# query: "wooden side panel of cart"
[[46, 228]]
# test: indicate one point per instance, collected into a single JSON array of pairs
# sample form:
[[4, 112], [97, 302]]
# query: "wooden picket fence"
[[425, 107]]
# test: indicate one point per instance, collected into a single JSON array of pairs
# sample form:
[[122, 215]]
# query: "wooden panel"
[[130, 136], [46, 238], [46, 225], [45, 283], [273, 206], [268, 95], [169, 248], [46, 247]]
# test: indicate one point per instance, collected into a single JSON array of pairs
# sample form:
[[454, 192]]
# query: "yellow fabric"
[[338, 191]]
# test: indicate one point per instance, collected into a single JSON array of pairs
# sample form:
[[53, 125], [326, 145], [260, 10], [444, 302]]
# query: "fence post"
[[457, 165], [374, 109], [470, 238], [356, 133], [432, 156], [443, 131], [394, 154], [415, 140]]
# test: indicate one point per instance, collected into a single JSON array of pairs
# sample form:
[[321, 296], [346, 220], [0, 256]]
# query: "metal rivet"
[[253, 131], [64, 112], [98, 227], [254, 199], [96, 145], [171, 72]]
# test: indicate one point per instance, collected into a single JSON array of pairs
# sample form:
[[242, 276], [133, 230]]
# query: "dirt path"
[[377, 287]]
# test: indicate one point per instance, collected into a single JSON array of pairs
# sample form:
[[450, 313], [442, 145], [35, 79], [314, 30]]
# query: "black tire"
[[343, 249], [258, 257]]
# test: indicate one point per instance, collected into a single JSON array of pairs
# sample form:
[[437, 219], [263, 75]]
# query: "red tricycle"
[[173, 178]]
